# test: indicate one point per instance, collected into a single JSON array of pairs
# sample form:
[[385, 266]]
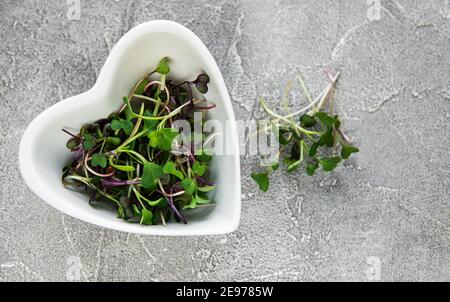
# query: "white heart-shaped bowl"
[[42, 152]]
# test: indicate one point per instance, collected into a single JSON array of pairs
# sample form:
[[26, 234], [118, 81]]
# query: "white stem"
[[319, 100]]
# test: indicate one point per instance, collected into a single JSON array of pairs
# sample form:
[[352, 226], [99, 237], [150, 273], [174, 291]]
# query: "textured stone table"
[[384, 215]]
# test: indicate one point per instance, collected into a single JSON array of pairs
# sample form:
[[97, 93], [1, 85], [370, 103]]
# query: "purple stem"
[[204, 181], [174, 209], [79, 154], [71, 134], [189, 155], [191, 99], [173, 100], [212, 106], [159, 153], [113, 182]]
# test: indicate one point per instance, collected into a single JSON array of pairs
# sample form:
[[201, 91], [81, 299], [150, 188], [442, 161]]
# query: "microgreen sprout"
[[311, 137], [126, 158]]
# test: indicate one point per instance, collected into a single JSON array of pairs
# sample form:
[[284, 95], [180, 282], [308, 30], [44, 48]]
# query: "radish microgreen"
[[312, 136], [126, 158]]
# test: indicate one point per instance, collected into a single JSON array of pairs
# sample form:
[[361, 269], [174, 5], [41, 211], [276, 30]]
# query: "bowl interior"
[[43, 152]]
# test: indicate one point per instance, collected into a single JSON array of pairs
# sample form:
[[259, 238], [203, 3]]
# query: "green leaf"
[[125, 202], [206, 189], [262, 179], [120, 213], [116, 125], [123, 168], [313, 149], [275, 166], [284, 137], [327, 138], [203, 78], [126, 125], [72, 144], [347, 150], [327, 120], [199, 169], [201, 87], [147, 217], [189, 185], [295, 150], [204, 155], [329, 164], [311, 168], [163, 66], [140, 88], [192, 205], [152, 203], [337, 121], [201, 83], [113, 141], [136, 211], [170, 168], [155, 203], [129, 114], [156, 139], [307, 121], [195, 200], [152, 172], [89, 141], [201, 200], [99, 160], [162, 138]]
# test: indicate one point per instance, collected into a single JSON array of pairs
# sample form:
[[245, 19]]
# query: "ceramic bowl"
[[43, 153]]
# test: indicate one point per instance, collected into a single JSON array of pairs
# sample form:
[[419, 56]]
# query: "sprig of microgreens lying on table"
[[126, 158], [312, 135]]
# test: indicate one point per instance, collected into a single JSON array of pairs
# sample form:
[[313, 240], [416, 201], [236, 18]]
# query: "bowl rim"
[[105, 75]]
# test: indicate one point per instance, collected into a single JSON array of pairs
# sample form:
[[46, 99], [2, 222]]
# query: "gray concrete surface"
[[383, 216]]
